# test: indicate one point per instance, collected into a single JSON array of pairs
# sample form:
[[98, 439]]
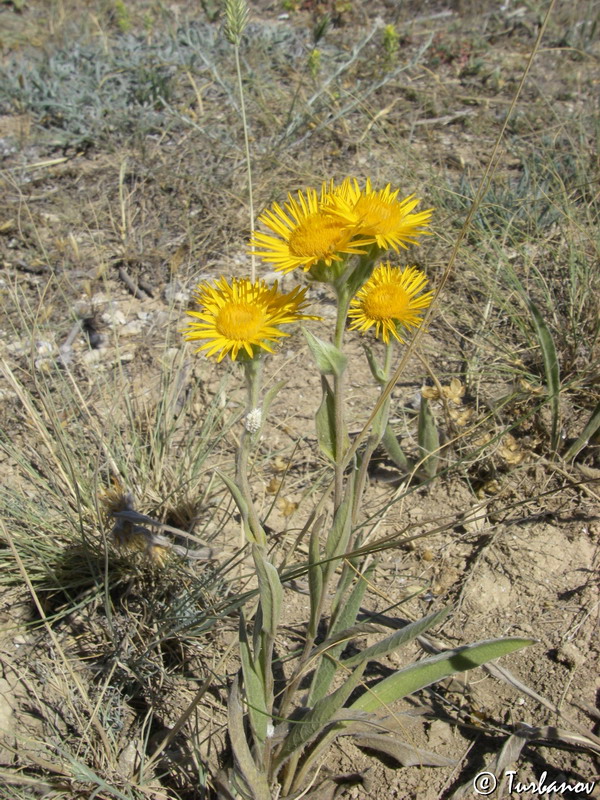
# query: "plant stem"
[[338, 398], [253, 370], [238, 69], [375, 437]]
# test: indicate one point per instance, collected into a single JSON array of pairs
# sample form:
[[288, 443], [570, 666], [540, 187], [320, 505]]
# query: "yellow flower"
[[390, 297], [379, 214], [306, 233], [242, 316]]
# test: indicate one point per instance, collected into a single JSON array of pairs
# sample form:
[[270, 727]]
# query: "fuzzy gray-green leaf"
[[328, 358], [254, 685], [255, 780], [406, 754], [376, 371], [430, 670], [345, 620], [319, 715], [397, 639], [395, 452], [325, 422], [270, 589]]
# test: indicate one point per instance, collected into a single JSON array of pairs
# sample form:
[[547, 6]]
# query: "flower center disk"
[[239, 321], [317, 235], [386, 302]]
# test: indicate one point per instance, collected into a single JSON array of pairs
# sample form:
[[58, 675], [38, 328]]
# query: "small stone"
[[132, 328], [92, 356]]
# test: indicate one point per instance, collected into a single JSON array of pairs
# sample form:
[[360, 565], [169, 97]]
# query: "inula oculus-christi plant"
[[337, 235]]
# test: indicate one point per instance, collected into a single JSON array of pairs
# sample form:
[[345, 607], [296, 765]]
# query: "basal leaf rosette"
[[390, 300], [379, 215], [306, 234], [239, 318]]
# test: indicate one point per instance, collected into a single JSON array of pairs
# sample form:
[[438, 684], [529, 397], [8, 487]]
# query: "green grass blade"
[[429, 440], [551, 369], [430, 670], [593, 424]]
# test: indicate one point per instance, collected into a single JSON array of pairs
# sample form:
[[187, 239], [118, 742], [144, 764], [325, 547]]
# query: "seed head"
[[236, 19]]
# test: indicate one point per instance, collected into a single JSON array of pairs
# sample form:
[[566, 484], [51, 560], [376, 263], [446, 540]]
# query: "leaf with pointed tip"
[[255, 780], [254, 685], [406, 754], [328, 358], [376, 371], [397, 639], [433, 669], [325, 423], [394, 451], [318, 717], [270, 590], [592, 425], [240, 503]]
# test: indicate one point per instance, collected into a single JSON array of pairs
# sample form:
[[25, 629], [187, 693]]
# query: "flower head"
[[242, 316], [379, 214], [391, 297], [306, 233], [128, 536]]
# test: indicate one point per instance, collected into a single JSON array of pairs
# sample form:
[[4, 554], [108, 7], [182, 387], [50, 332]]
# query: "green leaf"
[[325, 423], [380, 424], [362, 271], [376, 371], [433, 669], [395, 452], [329, 360], [255, 780], [339, 535], [317, 718], [593, 424], [254, 685], [236, 494], [406, 754], [344, 620], [551, 369], [270, 590], [397, 639], [429, 441], [315, 577], [270, 396]]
